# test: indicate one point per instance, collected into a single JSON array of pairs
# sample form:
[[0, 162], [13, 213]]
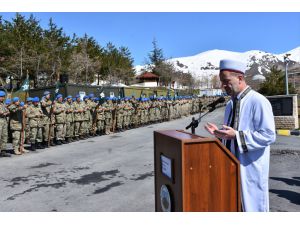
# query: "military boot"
[[33, 147], [58, 142], [40, 145], [4, 154], [64, 142], [52, 143]]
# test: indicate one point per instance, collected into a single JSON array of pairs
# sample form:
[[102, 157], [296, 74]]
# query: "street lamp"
[[286, 61]]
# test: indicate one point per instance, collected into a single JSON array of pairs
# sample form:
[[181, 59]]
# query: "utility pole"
[[286, 61]]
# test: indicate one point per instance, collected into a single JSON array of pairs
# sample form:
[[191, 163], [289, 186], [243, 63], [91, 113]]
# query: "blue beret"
[[59, 96], [234, 65], [91, 95], [21, 103], [85, 97], [15, 99], [77, 96], [2, 93], [46, 93], [29, 99], [74, 99], [36, 99], [7, 101], [69, 96]]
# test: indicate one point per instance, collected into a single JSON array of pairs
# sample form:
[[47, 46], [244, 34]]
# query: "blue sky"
[[182, 34]]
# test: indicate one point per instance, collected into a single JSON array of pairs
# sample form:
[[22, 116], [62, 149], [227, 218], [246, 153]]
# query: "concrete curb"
[[288, 132]]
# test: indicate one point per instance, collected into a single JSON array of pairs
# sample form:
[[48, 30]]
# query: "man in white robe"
[[248, 131]]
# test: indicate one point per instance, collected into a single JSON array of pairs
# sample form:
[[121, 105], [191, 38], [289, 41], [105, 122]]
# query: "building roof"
[[147, 75]]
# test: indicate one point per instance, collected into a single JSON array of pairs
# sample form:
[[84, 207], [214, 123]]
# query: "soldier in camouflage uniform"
[[136, 112], [34, 115], [164, 109], [120, 115], [4, 113], [16, 119], [158, 110], [86, 117], [69, 119], [59, 110], [128, 113], [78, 118], [92, 105], [100, 119], [152, 110], [48, 119], [27, 127], [108, 109]]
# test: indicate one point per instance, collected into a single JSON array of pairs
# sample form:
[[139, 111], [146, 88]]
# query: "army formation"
[[42, 123]]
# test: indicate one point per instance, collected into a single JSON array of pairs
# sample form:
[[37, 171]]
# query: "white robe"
[[256, 130]]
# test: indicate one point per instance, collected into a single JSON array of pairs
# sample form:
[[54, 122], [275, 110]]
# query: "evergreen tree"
[[275, 83], [58, 51]]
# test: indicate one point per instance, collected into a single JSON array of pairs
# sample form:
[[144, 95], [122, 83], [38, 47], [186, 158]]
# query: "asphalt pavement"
[[115, 173]]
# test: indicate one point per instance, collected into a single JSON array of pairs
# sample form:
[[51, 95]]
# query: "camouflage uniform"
[[16, 118], [69, 121], [60, 121], [78, 118], [152, 112], [27, 126], [47, 120], [120, 115], [100, 117], [86, 118], [92, 105], [136, 114], [128, 111], [34, 115], [109, 108], [3, 126]]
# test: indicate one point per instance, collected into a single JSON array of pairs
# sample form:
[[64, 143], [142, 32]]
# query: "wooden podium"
[[194, 174]]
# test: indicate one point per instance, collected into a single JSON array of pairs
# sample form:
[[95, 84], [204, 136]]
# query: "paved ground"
[[115, 173]]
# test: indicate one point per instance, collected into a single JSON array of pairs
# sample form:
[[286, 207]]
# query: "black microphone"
[[215, 103]]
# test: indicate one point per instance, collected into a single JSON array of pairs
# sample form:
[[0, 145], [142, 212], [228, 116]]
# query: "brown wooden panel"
[[210, 180], [206, 174], [171, 148]]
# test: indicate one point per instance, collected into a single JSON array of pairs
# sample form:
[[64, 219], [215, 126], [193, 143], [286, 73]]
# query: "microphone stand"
[[194, 124]]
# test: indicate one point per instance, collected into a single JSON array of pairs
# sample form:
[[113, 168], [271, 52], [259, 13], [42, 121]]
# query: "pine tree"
[[275, 83]]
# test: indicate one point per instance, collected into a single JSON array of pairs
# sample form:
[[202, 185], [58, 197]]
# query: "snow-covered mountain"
[[206, 64]]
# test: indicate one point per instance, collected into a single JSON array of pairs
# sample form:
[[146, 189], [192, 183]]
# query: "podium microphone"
[[215, 103], [212, 106]]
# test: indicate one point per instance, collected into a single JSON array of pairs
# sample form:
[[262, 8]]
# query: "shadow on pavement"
[[288, 181], [292, 196]]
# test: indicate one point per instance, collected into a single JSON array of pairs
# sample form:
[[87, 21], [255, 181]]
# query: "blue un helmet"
[[15, 99], [59, 96], [7, 101], [46, 93], [35, 99], [2, 93]]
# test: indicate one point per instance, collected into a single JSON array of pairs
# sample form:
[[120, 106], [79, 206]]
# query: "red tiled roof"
[[147, 75]]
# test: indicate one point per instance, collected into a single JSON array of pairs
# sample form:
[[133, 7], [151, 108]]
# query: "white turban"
[[233, 65]]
